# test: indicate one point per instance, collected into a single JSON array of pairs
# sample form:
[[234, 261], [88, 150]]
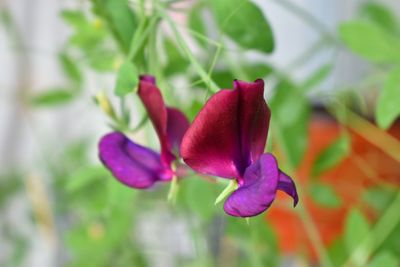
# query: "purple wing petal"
[[230, 132], [132, 164], [176, 127], [155, 106], [211, 144], [287, 185], [258, 190], [254, 116]]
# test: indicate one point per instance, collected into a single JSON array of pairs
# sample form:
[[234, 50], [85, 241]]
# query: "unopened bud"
[[98, 24], [105, 104]]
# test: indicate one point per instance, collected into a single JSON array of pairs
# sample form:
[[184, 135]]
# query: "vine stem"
[[370, 132], [140, 37], [200, 70], [313, 233]]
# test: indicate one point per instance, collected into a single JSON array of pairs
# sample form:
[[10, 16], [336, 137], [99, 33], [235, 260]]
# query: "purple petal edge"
[[287, 185], [131, 164]]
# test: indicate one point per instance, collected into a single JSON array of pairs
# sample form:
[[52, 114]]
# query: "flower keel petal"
[[258, 190]]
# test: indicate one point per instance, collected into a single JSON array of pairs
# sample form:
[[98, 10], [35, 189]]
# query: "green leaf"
[[388, 107], [87, 35], [317, 77], [84, 177], [122, 20], [52, 97], [290, 115], [385, 259], [370, 41], [6, 18], [101, 59], [244, 23], [331, 155], [70, 68], [325, 195], [356, 229], [127, 79], [380, 15], [74, 17], [176, 62], [338, 252], [378, 198], [199, 196]]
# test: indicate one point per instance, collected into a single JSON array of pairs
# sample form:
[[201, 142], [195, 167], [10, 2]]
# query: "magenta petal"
[[157, 111], [229, 133], [287, 185], [177, 124], [258, 190], [132, 164]]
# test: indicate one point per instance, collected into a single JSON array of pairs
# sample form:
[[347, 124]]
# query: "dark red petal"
[[287, 185], [211, 144], [176, 128], [229, 133], [258, 191], [157, 111], [254, 117], [148, 78], [132, 164]]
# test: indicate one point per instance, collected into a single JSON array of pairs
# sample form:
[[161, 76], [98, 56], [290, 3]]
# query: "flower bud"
[[105, 104]]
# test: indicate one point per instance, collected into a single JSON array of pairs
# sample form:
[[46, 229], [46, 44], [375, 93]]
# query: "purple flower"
[[137, 166], [227, 139]]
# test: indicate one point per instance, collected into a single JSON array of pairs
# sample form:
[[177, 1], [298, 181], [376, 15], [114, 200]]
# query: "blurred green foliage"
[[97, 216]]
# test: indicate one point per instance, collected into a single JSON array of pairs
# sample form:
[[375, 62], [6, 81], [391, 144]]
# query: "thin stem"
[[204, 38], [370, 132], [210, 70], [200, 70], [140, 37], [313, 233], [371, 174]]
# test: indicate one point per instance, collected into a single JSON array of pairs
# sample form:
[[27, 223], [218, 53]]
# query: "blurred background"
[[332, 72]]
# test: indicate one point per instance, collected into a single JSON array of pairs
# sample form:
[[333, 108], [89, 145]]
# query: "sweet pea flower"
[[138, 166], [227, 139]]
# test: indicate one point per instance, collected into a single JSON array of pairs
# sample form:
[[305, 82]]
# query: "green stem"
[[313, 233], [141, 35], [378, 137], [173, 190], [200, 70], [204, 38], [379, 233]]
